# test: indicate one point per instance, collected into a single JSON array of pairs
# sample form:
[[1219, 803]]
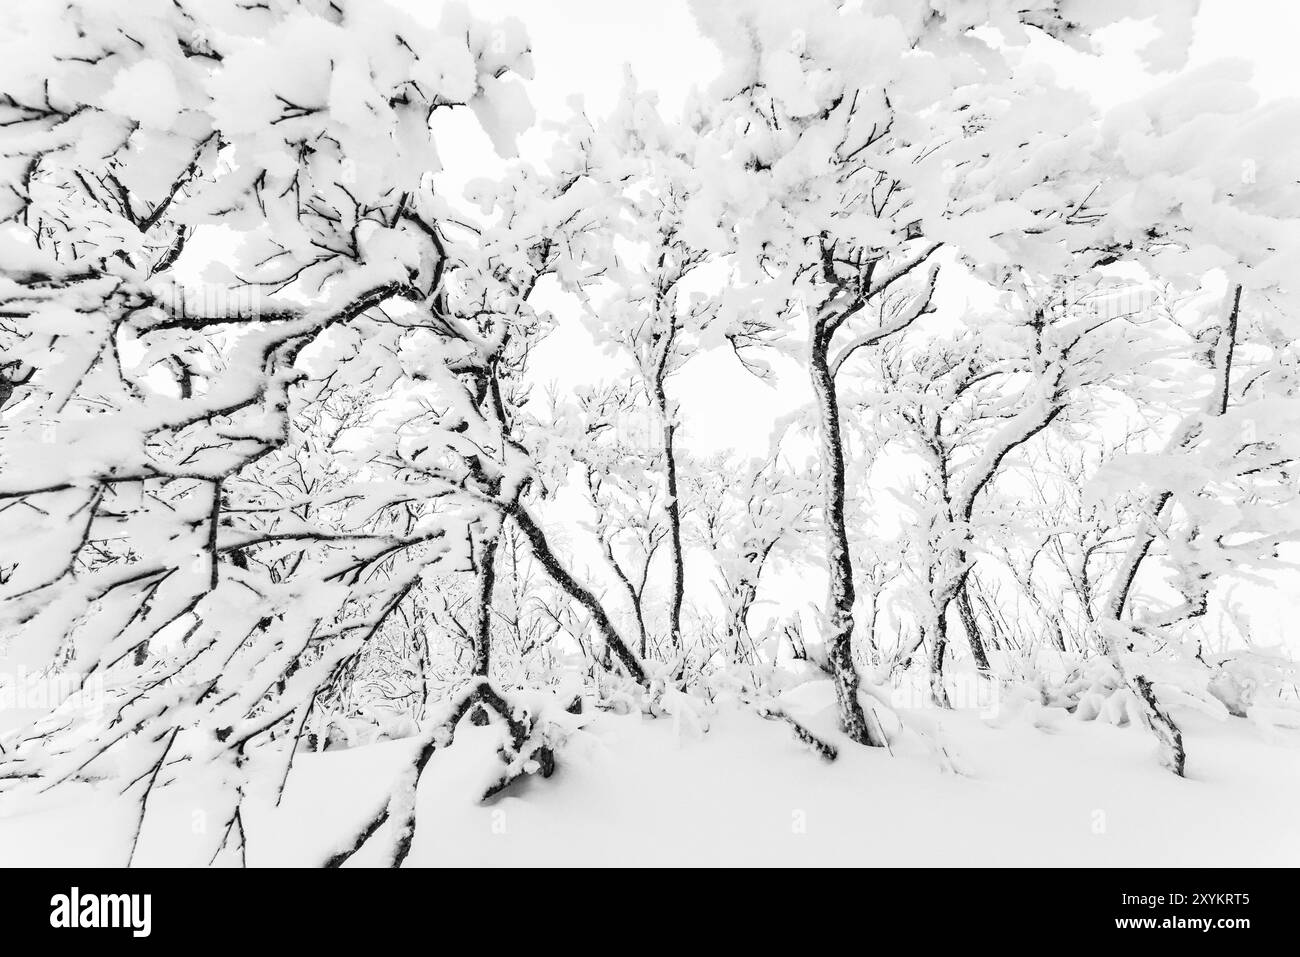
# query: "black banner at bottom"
[[942, 906]]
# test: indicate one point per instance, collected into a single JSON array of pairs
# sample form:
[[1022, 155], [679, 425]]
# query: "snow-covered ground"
[[632, 790]]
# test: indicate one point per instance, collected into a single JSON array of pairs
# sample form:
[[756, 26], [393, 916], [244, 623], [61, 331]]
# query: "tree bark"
[[970, 623], [738, 625], [561, 576], [839, 611], [938, 693], [673, 511], [486, 582]]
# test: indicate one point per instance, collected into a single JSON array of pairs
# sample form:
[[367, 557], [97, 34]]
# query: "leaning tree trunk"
[[970, 624], [547, 558], [966, 611], [839, 611]]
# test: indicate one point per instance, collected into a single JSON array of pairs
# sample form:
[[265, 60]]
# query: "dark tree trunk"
[[673, 511], [966, 610], [560, 575], [486, 582], [738, 626], [839, 610], [640, 628], [1172, 754]]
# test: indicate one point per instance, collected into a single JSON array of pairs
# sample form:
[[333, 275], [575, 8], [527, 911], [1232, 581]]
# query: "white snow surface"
[[1054, 791]]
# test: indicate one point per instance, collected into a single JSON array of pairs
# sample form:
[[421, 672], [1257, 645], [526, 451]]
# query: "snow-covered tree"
[[868, 138], [208, 521]]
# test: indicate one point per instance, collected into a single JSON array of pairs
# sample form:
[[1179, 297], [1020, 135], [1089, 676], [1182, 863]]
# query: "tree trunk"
[[673, 510], [640, 628], [1172, 754], [738, 627], [560, 575], [969, 622], [839, 611], [938, 693], [487, 575]]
